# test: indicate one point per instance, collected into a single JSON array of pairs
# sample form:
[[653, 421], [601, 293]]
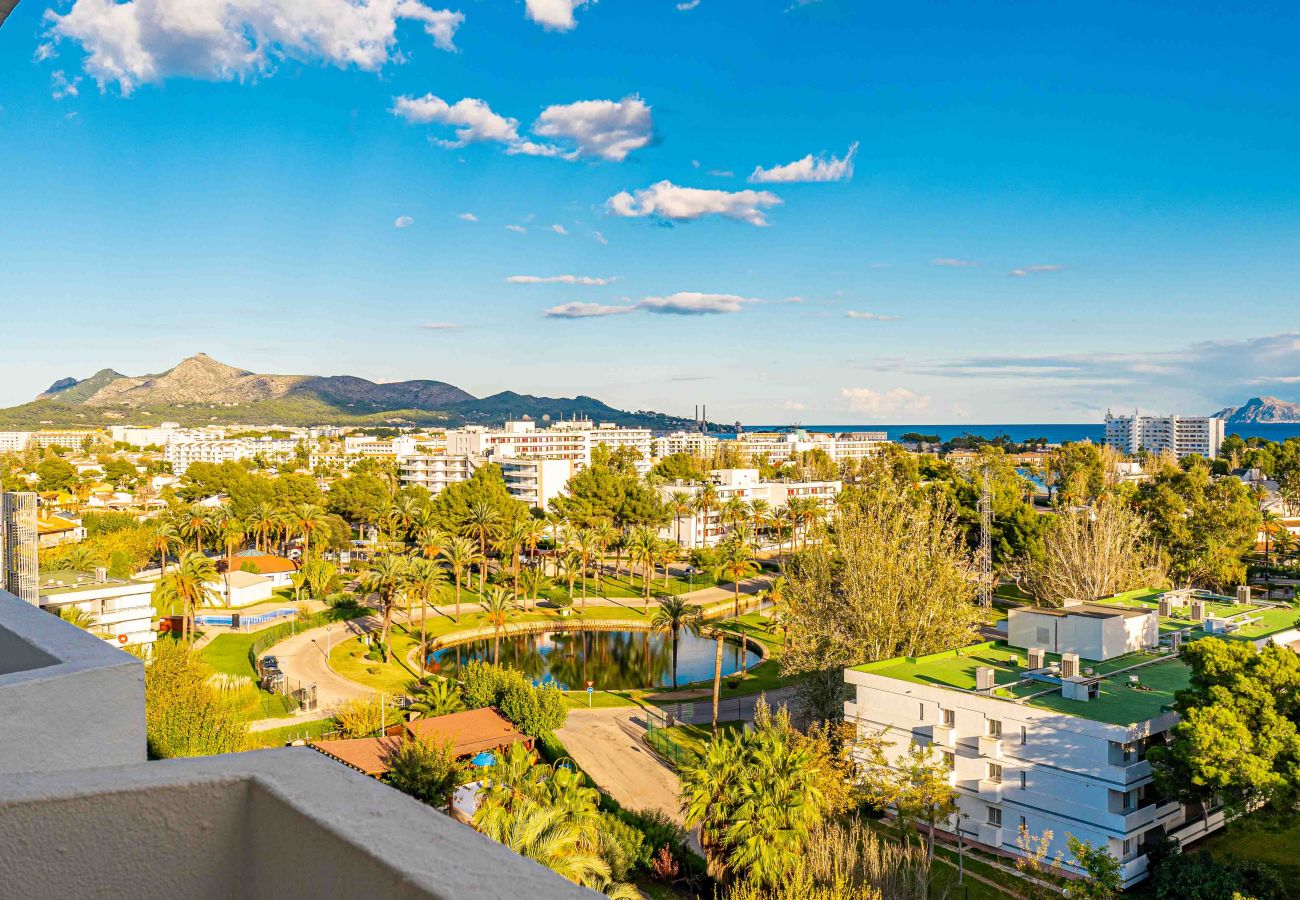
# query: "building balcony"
[[1130, 773], [990, 790], [990, 746], [990, 834], [945, 736]]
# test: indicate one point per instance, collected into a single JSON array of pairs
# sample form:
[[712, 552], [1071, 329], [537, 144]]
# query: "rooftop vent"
[[1070, 602], [1176, 641], [1166, 608], [1243, 593]]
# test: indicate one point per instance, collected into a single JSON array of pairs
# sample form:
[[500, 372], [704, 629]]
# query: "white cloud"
[[554, 15], [1033, 270], [722, 173], [558, 228], [605, 129], [403, 222], [147, 41], [884, 403], [599, 238], [518, 229], [468, 217], [690, 303], [689, 4], [793, 405], [63, 86], [440, 326], [473, 119], [808, 169], [668, 201], [560, 279], [953, 263], [683, 303], [585, 311], [870, 316]]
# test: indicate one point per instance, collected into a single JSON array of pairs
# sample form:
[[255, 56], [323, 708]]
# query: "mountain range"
[[1261, 410], [200, 390]]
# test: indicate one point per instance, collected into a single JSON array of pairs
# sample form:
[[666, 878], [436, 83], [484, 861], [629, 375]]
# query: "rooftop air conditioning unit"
[[1037, 657], [1069, 665], [101, 575], [984, 678], [1198, 610]]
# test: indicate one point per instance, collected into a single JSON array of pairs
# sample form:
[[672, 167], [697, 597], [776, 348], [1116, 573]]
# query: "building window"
[[1024, 735], [995, 816], [949, 759], [1128, 847], [995, 773], [920, 711], [1024, 824], [1023, 779], [995, 728], [949, 718]]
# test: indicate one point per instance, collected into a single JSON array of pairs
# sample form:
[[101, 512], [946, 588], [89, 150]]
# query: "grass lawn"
[[278, 737], [229, 653], [1274, 848], [348, 659], [603, 699]]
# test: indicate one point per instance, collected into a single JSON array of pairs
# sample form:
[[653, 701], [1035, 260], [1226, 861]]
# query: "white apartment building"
[[182, 454], [400, 447], [534, 481], [1047, 731], [153, 435], [122, 608], [67, 438], [781, 447], [19, 545], [707, 529], [693, 442], [14, 441], [572, 441], [1183, 435]]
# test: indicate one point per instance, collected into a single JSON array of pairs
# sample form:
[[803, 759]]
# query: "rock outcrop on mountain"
[[1262, 411]]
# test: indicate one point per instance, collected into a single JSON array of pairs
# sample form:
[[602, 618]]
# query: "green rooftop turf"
[[1118, 704]]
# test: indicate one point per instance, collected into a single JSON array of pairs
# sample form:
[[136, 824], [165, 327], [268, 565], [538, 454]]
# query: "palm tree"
[[510, 543], [387, 577], [196, 524], [736, 562], [264, 522], [760, 513], [481, 523], [436, 698], [533, 581], [164, 538], [459, 554], [778, 594], [586, 547], [568, 562], [673, 615], [75, 615], [643, 548], [187, 584], [425, 578], [402, 514], [307, 519], [498, 605], [430, 540], [734, 511], [682, 504], [709, 790], [605, 534], [231, 536], [705, 501]]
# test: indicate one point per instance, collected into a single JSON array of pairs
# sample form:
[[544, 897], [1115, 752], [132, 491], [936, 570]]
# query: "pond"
[[613, 660]]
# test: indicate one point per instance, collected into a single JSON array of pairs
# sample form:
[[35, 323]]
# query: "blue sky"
[[819, 212]]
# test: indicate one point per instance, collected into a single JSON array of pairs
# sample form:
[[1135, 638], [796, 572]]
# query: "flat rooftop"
[[1117, 703], [65, 581], [1258, 621]]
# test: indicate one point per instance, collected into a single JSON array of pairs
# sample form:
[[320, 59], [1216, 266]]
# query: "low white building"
[[181, 454], [572, 440], [14, 441], [1180, 435], [780, 447], [240, 588], [1039, 740], [694, 443], [122, 608]]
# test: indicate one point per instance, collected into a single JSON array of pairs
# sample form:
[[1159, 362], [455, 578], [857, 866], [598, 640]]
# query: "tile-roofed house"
[[471, 732]]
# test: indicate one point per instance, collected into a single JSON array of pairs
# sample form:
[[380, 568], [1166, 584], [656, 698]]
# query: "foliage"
[[891, 579], [1205, 525], [361, 718], [426, 770], [132, 545], [1104, 872], [436, 698], [756, 799], [1199, 876], [534, 710], [451, 509], [681, 467], [609, 493], [915, 785], [1093, 553], [361, 498], [1238, 738], [184, 714]]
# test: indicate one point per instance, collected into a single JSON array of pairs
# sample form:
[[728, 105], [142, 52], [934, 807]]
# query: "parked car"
[[270, 664]]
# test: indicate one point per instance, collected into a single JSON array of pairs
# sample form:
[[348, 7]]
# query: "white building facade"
[[1181, 435], [693, 443], [707, 529], [573, 441], [781, 447], [122, 609]]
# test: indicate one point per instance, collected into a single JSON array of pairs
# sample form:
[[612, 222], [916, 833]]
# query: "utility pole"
[[986, 539]]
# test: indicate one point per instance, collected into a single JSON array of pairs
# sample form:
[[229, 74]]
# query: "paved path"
[[607, 744], [303, 658]]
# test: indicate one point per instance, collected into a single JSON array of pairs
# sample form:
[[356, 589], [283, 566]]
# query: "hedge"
[[276, 633]]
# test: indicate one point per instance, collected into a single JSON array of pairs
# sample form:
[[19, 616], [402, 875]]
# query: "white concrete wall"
[[67, 699]]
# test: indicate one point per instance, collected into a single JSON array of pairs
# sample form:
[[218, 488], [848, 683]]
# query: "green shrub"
[[185, 715], [535, 711], [631, 849]]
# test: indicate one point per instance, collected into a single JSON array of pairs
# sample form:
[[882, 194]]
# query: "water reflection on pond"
[[611, 659]]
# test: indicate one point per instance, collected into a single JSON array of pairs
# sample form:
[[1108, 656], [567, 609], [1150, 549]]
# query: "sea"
[[1055, 433]]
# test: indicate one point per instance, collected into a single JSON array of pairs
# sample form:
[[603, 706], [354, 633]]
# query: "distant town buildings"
[[19, 542], [691, 442], [707, 528], [573, 440], [781, 447], [1181, 435]]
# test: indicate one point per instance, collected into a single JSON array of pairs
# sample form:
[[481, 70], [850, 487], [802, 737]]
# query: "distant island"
[[200, 391], [1261, 411]]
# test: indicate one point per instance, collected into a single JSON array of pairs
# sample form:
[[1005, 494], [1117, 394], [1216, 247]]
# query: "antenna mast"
[[986, 539]]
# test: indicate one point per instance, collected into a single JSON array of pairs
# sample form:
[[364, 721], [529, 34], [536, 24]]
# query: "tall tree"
[[674, 614], [188, 584], [386, 577], [1091, 553], [459, 554]]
